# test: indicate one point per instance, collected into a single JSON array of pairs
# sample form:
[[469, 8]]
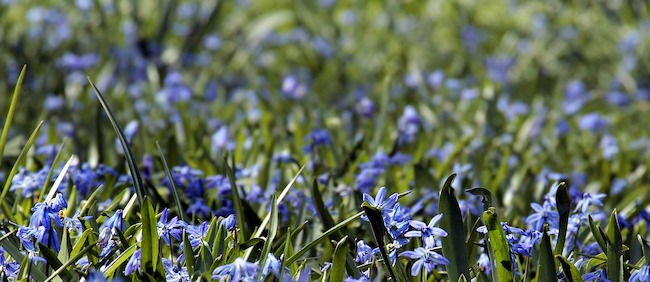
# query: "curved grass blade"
[[488, 197], [70, 262], [322, 237], [546, 268], [614, 249], [177, 200], [21, 158], [571, 273], [188, 253], [498, 246], [138, 184], [338, 262], [454, 246], [11, 112], [598, 233], [121, 259], [563, 200], [379, 230]]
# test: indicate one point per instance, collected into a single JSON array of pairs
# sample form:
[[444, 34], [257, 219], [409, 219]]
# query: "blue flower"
[[229, 222], [593, 122], [426, 232], [174, 273], [484, 263], [174, 227], [543, 214], [408, 125], [641, 275], [365, 253], [273, 265], [589, 200], [385, 206], [8, 269], [196, 234], [134, 263], [317, 138], [425, 258], [596, 276], [239, 270]]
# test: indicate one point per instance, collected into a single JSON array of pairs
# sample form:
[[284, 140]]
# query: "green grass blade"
[[546, 269], [498, 246], [598, 234], [236, 199], [563, 200], [11, 112], [338, 262], [645, 248], [322, 237], [177, 199], [55, 162], [150, 242], [138, 184], [452, 248], [379, 230], [54, 262], [71, 261], [121, 259], [21, 158], [58, 180], [571, 273], [614, 249]]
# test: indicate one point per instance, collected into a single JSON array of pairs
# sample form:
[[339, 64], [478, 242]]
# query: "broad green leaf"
[[498, 246], [338, 262], [379, 230], [188, 254], [546, 269], [322, 237], [10, 113], [571, 273], [138, 184], [563, 200], [453, 249], [177, 199], [614, 250], [150, 242]]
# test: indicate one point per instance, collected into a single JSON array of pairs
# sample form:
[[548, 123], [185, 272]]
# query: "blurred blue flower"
[[425, 258], [74, 62], [239, 270], [471, 38], [436, 78], [609, 146], [198, 207], [593, 122], [365, 107], [408, 125], [499, 68], [292, 88], [317, 138], [221, 141], [53, 103]]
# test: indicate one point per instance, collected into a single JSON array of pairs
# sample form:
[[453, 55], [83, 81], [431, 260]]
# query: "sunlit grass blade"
[[21, 158], [322, 237], [379, 230], [177, 199], [55, 163], [119, 261], [498, 247], [138, 184], [563, 200], [150, 241], [546, 269], [454, 246], [273, 229], [59, 179], [614, 249], [571, 273], [11, 112], [338, 262]]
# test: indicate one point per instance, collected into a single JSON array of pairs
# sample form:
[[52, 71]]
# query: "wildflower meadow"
[[324, 140]]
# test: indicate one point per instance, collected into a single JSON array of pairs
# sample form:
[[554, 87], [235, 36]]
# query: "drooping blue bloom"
[[596, 276], [425, 258], [196, 234], [134, 263], [229, 222], [365, 253], [272, 265], [239, 270], [641, 275], [57, 203], [427, 232]]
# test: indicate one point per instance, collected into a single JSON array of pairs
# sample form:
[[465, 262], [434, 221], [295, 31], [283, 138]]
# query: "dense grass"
[[324, 140]]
